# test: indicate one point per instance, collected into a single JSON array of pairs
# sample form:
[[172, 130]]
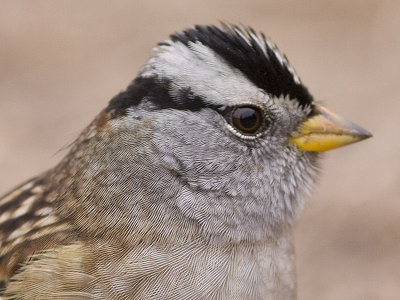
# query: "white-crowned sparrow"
[[185, 187]]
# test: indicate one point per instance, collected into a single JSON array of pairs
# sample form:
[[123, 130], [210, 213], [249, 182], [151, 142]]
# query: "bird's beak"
[[325, 131]]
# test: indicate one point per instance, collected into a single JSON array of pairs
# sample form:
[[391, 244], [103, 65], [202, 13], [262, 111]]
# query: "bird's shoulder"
[[28, 225]]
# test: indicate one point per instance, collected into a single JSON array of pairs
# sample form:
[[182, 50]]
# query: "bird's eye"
[[247, 119]]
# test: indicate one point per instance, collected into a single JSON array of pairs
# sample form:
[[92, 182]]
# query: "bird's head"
[[219, 130]]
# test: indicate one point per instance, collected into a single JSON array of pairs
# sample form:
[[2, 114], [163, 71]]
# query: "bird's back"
[[28, 225]]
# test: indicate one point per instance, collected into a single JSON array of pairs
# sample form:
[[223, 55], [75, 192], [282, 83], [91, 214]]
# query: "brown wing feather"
[[28, 225]]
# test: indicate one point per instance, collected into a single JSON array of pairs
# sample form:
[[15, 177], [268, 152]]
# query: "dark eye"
[[247, 119]]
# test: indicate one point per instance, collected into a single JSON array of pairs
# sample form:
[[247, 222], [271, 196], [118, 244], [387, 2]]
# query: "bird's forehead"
[[199, 68]]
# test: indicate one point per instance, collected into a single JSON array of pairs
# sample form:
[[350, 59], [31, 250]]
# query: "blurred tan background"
[[61, 61]]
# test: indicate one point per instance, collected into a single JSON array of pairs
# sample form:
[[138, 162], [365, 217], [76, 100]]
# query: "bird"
[[186, 186]]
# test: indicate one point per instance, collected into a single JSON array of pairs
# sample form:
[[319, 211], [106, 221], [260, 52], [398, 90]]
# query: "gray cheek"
[[206, 156], [201, 152], [241, 191]]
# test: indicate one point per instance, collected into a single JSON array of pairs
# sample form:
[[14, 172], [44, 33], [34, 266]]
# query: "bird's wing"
[[27, 225]]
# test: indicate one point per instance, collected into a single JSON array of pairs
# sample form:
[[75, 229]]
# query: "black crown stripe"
[[240, 49]]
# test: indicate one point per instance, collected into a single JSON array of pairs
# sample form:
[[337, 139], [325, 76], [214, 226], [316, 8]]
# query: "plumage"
[[185, 186], [256, 57]]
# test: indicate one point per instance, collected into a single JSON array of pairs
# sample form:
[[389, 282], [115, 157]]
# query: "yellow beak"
[[325, 131]]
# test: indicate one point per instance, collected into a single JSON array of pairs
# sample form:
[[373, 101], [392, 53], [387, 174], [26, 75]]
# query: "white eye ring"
[[243, 136]]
